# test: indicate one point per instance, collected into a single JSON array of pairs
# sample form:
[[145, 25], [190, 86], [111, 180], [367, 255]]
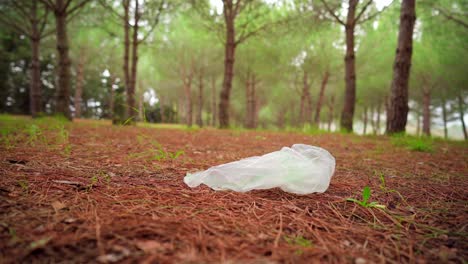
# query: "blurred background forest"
[[165, 61]]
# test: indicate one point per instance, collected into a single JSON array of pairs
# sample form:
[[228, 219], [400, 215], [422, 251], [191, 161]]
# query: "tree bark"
[[426, 111], [79, 85], [444, 117], [63, 91], [230, 49], [350, 70], [131, 111], [461, 111], [35, 86], [213, 100], [372, 121], [306, 102], [397, 114], [188, 97], [112, 97], [379, 108], [364, 132], [248, 110], [254, 107], [418, 124], [320, 98], [161, 109], [126, 5], [331, 106], [200, 99]]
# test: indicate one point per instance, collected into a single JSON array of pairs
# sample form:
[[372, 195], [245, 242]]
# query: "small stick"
[[280, 231]]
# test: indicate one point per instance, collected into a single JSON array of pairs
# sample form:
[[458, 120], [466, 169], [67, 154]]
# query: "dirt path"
[[115, 194]]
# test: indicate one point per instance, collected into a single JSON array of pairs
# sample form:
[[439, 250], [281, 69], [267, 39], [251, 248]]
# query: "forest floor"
[[88, 191]]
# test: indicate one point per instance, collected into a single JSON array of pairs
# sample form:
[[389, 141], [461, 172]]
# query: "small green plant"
[[24, 184], [94, 180], [298, 241], [33, 132], [7, 137], [366, 194]]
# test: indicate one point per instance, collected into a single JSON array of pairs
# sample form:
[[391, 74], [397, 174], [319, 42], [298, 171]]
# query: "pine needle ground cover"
[[88, 191]]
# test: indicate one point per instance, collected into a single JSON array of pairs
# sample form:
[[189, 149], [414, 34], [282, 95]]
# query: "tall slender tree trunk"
[[444, 116], [306, 104], [131, 111], [461, 111], [372, 121], [161, 109], [379, 108], [281, 118], [427, 111], [112, 97], [320, 97], [254, 107], [418, 124], [126, 67], [213, 100], [331, 107], [230, 50], [141, 110], [350, 70], [364, 132], [63, 91], [35, 86], [248, 110], [35, 92], [79, 85], [200, 99], [188, 99], [181, 112], [397, 114]]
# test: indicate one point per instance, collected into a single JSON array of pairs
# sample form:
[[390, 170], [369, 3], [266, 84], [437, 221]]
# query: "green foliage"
[[421, 144], [157, 152], [366, 194]]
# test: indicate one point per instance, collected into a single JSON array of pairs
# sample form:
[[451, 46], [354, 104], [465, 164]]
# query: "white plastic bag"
[[301, 169]]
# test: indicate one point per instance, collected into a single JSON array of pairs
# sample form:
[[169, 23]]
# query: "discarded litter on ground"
[[301, 169]]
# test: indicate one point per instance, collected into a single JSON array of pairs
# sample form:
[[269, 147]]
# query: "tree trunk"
[[35, 86], [397, 114], [281, 118], [248, 110], [213, 100], [161, 109], [200, 99], [188, 99], [444, 117], [331, 106], [379, 106], [230, 50], [126, 69], [63, 91], [254, 107], [320, 98], [461, 111], [426, 111], [131, 111], [306, 104], [364, 132], [112, 98], [350, 70], [418, 124], [79, 85], [372, 121]]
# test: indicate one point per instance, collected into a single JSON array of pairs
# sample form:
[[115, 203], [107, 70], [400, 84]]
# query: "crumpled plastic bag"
[[301, 169]]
